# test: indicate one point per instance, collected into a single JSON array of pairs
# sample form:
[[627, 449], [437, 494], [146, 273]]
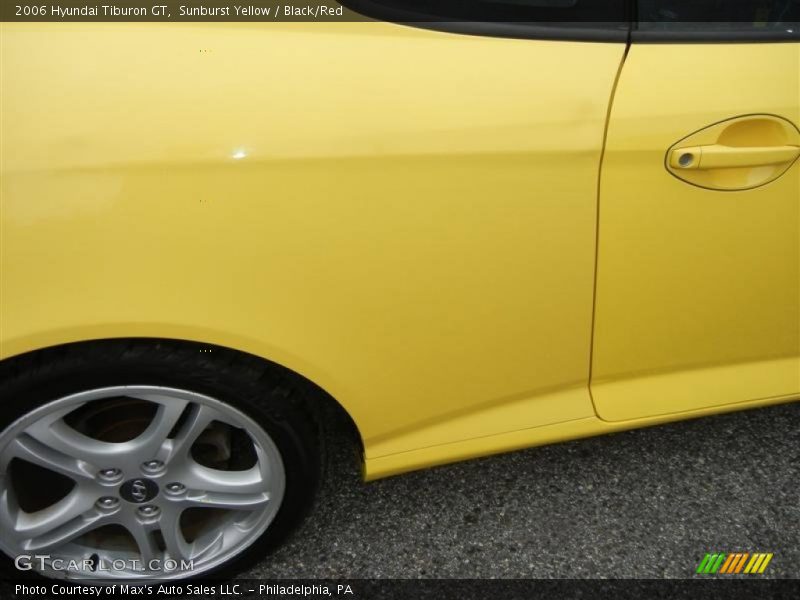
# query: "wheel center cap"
[[139, 490]]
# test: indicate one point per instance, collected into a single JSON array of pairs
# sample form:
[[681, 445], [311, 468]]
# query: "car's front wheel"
[[149, 460]]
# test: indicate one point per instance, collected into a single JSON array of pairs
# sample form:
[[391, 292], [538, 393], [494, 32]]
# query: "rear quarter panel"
[[405, 217]]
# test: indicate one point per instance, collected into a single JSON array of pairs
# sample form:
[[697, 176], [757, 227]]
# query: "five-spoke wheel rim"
[[147, 482]]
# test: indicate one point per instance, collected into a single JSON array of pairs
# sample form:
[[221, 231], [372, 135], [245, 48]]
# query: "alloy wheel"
[[136, 482]]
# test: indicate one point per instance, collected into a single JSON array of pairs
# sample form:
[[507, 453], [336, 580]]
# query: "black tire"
[[267, 393]]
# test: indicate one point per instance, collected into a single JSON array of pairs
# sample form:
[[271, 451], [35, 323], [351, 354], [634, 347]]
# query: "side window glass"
[[720, 18]]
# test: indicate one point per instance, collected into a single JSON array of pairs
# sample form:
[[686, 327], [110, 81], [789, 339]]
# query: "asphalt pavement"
[[647, 504]]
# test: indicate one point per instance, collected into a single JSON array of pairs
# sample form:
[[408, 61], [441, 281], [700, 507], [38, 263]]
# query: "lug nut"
[[110, 474], [175, 488], [107, 502], [153, 466], [148, 511]]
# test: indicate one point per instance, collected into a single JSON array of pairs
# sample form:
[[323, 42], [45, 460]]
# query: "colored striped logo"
[[735, 563]]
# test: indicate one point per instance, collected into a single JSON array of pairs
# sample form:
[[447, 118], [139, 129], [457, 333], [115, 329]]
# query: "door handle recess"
[[718, 156], [741, 153]]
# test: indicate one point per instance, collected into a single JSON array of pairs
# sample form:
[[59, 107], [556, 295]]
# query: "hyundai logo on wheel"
[[138, 490]]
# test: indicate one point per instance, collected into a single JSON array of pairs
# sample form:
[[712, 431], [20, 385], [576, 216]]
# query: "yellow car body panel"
[[405, 217], [379, 208]]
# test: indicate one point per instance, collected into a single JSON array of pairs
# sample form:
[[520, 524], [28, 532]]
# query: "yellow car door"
[[698, 285]]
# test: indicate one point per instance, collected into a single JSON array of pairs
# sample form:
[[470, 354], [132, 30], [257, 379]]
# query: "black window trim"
[[378, 10], [602, 32], [642, 36]]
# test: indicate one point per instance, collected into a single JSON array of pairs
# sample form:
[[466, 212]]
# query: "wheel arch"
[[321, 401]]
